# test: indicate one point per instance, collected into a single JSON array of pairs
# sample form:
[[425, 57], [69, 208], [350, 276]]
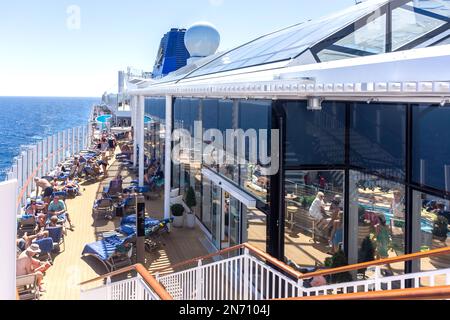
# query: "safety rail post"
[[40, 157], [78, 139], [19, 177], [83, 138], [199, 281], [377, 278], [67, 144], [29, 170], [73, 142], [246, 274], [54, 144], [44, 156], [35, 164], [108, 288]]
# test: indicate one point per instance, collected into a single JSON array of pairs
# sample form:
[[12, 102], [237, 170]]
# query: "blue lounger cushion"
[[105, 248], [46, 245]]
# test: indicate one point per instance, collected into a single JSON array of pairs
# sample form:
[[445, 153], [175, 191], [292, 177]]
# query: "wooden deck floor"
[[62, 280]]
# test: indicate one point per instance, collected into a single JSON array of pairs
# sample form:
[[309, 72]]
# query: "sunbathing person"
[[40, 222], [32, 208], [44, 185], [71, 187], [53, 222], [58, 208], [26, 264]]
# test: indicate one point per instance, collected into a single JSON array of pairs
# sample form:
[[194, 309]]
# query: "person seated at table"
[[58, 208], [336, 233], [335, 208], [26, 264], [317, 211]]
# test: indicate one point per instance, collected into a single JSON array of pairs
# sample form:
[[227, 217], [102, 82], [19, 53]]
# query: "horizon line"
[[25, 96]]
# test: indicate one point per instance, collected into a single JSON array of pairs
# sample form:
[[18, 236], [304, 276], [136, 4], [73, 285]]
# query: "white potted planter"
[[190, 219], [177, 214]]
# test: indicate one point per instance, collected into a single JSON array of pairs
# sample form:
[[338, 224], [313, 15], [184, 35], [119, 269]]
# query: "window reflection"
[[314, 221], [431, 216], [378, 206]]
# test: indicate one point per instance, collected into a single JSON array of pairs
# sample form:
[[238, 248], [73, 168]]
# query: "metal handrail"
[[157, 287], [363, 265], [421, 293], [298, 275]]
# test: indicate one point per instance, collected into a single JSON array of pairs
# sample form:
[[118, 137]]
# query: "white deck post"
[[19, 177], [78, 139], [8, 196], [24, 174], [134, 103], [140, 126], [29, 170], [44, 156], [40, 158], [54, 153], [73, 142], [246, 275], [168, 158]]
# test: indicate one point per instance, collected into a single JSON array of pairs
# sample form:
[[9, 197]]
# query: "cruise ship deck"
[[334, 182], [62, 280]]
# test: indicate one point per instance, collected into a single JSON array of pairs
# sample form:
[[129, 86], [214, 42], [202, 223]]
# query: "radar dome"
[[202, 39]]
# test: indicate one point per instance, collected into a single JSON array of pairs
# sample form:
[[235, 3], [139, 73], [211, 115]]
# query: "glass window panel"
[[301, 227], [440, 7], [298, 36], [378, 138], [369, 38], [408, 25], [255, 115], [254, 229], [314, 137], [430, 147], [377, 211], [443, 42], [431, 216], [330, 55], [206, 203]]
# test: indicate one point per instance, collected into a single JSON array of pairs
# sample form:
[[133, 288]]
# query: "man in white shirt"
[[317, 210]]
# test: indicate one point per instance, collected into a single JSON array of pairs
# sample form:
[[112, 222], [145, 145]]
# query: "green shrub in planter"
[[366, 253], [338, 259], [177, 210], [440, 228], [190, 198]]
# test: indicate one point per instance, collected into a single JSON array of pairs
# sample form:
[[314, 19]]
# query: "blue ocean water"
[[26, 120]]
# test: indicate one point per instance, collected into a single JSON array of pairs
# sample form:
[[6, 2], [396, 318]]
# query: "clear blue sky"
[[43, 52]]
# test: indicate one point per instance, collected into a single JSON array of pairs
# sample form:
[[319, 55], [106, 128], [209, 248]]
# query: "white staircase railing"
[[242, 277], [255, 275], [142, 286], [129, 289]]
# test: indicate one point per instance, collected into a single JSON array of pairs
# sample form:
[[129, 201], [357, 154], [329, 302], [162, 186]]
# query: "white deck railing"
[[242, 277], [378, 283], [245, 277], [129, 289], [40, 159]]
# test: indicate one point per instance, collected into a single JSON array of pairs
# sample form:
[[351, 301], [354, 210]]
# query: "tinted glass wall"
[[314, 137], [378, 138], [431, 146]]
